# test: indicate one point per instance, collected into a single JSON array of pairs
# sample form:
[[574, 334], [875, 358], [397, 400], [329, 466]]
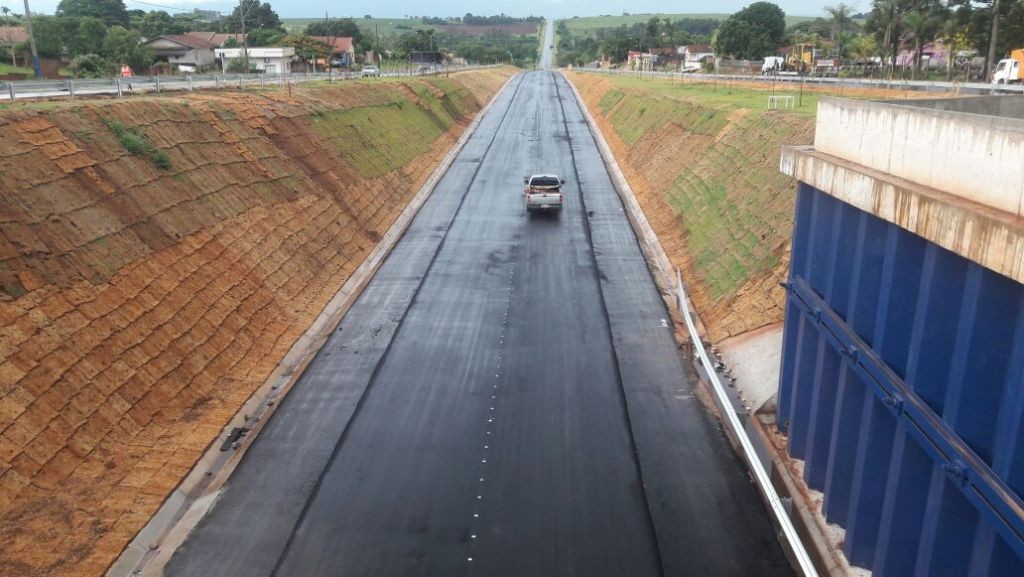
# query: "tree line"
[[100, 35], [989, 29]]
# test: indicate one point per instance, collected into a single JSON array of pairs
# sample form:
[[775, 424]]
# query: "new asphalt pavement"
[[504, 399]]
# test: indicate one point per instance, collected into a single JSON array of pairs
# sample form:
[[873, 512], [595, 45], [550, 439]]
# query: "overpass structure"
[[902, 385]]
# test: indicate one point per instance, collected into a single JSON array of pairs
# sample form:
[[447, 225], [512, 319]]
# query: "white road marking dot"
[[483, 460], [472, 536], [475, 515]]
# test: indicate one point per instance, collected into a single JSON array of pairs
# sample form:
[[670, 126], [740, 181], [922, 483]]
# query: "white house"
[[184, 52], [272, 60], [696, 53]]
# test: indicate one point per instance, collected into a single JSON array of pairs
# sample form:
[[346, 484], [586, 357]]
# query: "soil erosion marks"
[[158, 257]]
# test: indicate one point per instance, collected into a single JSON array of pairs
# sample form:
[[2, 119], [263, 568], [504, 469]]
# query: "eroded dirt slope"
[[703, 163], [158, 257]]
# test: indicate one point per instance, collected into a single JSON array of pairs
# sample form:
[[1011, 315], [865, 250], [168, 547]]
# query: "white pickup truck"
[[543, 192]]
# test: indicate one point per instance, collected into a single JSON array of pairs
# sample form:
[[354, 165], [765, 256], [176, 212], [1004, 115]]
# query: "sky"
[[401, 8]]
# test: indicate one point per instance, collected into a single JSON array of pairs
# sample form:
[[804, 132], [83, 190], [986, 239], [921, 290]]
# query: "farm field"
[[590, 24], [398, 26]]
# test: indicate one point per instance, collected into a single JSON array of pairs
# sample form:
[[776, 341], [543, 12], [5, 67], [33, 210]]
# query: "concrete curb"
[[154, 545]]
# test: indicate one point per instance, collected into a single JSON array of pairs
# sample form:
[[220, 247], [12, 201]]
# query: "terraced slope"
[[158, 257], [703, 162]]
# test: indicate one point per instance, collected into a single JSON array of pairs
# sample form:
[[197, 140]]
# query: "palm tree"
[[842, 21], [886, 18]]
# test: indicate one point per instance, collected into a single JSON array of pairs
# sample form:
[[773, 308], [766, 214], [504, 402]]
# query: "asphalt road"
[[504, 399]]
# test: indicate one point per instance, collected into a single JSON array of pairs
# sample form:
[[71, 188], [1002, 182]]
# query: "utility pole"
[[32, 41], [992, 40], [245, 41]]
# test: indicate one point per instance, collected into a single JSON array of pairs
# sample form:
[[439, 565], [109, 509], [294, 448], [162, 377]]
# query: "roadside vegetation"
[[91, 39], [913, 39], [136, 142], [702, 156]]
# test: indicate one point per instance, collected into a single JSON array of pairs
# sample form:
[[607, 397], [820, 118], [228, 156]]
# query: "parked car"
[[690, 68], [543, 192], [370, 71]]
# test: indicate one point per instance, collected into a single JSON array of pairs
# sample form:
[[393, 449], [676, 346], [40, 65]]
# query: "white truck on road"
[[543, 192], [1010, 70]]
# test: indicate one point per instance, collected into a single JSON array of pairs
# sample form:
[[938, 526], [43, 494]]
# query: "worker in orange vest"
[[126, 72]]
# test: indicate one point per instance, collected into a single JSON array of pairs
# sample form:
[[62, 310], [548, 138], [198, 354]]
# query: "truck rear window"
[[544, 181]]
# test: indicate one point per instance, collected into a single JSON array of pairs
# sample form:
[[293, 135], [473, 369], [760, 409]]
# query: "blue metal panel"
[[902, 388]]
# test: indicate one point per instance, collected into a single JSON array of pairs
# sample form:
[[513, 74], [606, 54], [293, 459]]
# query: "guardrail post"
[[190, 83], [117, 83], [216, 80], [10, 90], [157, 79], [240, 81], [262, 80], [71, 88]]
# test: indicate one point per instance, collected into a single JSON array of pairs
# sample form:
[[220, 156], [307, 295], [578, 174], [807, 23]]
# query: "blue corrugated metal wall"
[[903, 391]]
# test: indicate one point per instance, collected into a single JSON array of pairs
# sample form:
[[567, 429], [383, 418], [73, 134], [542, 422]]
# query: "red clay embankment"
[[158, 257]]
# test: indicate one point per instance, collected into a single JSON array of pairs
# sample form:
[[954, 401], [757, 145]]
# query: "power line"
[[171, 7]]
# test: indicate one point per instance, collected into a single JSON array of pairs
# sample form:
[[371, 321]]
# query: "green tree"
[[49, 32], [841, 22], [306, 48], [111, 12], [85, 36], [90, 66], [265, 37], [751, 33], [920, 26], [258, 16], [342, 28], [743, 40], [123, 46], [160, 23], [766, 16]]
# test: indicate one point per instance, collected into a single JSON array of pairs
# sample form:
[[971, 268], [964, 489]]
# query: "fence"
[[725, 405], [17, 90], [769, 81]]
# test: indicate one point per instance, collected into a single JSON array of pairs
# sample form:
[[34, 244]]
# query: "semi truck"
[[1010, 70]]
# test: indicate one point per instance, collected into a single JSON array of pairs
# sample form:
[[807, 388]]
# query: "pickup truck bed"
[[543, 192]]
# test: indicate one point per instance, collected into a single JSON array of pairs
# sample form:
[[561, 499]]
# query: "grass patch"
[[135, 141], [732, 203], [8, 69], [379, 139]]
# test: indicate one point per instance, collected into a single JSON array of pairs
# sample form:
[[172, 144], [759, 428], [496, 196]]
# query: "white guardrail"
[[770, 80], [725, 406], [11, 91]]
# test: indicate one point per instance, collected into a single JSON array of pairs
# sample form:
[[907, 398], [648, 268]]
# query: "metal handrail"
[[16, 89], [761, 477], [895, 84]]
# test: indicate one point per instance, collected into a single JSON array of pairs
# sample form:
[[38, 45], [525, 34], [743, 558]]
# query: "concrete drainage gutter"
[[154, 545], [757, 455]]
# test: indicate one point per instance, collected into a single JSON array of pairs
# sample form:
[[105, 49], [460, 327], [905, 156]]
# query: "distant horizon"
[[556, 9]]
